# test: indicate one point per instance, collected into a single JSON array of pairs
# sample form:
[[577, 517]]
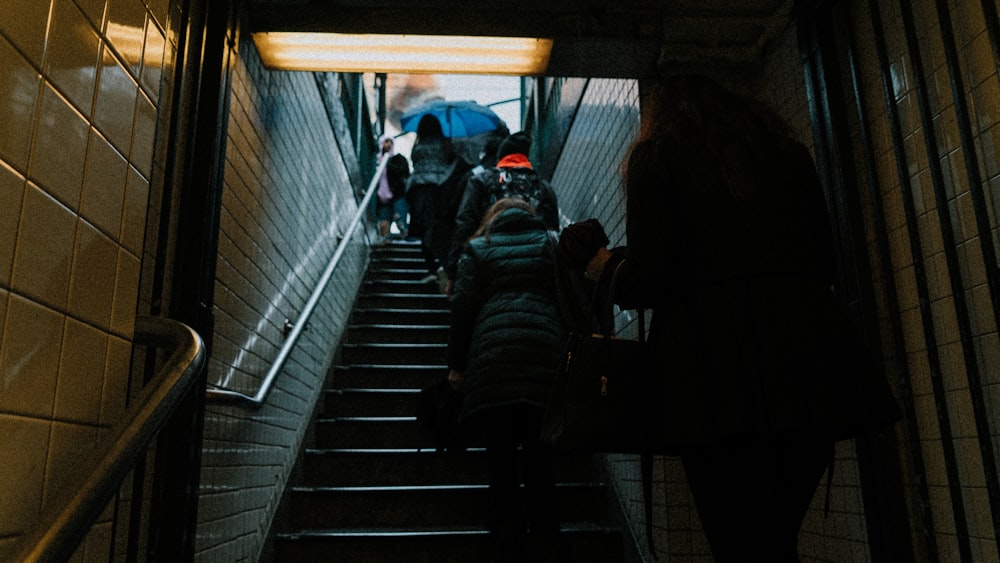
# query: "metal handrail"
[[60, 530], [255, 401]]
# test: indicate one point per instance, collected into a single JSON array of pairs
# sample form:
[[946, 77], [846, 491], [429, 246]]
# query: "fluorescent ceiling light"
[[440, 54]]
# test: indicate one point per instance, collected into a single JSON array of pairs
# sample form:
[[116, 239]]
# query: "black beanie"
[[518, 143]]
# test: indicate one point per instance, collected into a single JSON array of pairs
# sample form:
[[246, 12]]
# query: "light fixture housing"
[[413, 54]]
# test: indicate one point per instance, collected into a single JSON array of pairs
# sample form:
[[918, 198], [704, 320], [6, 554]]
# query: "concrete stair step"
[[394, 333], [402, 301], [426, 505], [581, 543], [412, 284], [401, 316], [378, 432], [393, 353], [341, 403], [416, 466], [387, 376]]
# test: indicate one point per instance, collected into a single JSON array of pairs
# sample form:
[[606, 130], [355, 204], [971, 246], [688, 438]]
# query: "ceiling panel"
[[624, 39]]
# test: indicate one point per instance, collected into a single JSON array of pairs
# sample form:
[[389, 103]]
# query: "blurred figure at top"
[[390, 200], [435, 165]]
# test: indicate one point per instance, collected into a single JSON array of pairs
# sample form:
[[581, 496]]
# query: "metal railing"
[[255, 401], [60, 530]]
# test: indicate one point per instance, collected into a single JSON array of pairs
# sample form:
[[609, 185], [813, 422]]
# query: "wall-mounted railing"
[[257, 399], [62, 528]]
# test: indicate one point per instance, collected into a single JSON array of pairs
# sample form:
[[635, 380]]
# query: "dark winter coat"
[[746, 335], [506, 336], [432, 161], [447, 196], [482, 191]]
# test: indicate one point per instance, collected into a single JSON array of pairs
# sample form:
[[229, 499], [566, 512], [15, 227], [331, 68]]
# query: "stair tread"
[[421, 488], [398, 309], [369, 365], [382, 451], [329, 419], [399, 326], [393, 531], [374, 390], [393, 345], [430, 295]]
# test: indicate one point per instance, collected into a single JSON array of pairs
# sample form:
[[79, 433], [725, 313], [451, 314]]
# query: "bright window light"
[[438, 54]]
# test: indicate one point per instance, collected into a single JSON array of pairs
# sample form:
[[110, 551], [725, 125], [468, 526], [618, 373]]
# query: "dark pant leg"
[[539, 475], [507, 523], [429, 260], [801, 466], [752, 496], [545, 544], [515, 452]]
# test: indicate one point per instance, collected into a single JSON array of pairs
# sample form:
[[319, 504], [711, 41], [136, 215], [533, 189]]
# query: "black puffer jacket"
[[483, 190], [506, 335]]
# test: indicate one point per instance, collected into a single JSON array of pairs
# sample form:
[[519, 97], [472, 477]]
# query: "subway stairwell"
[[370, 487]]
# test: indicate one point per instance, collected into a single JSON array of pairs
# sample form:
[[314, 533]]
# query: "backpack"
[[520, 183]]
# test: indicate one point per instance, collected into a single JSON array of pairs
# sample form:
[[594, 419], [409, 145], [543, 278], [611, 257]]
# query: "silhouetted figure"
[[730, 245]]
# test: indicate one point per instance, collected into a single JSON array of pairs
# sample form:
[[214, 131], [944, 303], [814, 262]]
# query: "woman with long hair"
[[504, 346], [730, 245]]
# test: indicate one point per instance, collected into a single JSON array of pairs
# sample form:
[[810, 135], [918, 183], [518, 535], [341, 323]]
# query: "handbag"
[[438, 414], [597, 401], [603, 397]]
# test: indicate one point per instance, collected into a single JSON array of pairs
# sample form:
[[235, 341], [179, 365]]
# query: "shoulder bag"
[[603, 398], [596, 403]]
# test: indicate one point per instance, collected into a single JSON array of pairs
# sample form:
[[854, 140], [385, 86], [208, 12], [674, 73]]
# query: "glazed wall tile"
[[11, 202], [24, 466], [19, 91], [104, 186], [92, 287], [25, 23], [60, 149], [71, 55], [81, 370], [29, 363], [44, 254]]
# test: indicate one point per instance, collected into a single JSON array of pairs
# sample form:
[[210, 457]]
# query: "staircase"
[[371, 488]]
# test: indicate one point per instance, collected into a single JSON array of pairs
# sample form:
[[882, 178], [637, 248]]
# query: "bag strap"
[[646, 463], [604, 309], [571, 297], [607, 319], [646, 457]]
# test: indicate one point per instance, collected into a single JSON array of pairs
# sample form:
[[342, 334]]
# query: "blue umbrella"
[[458, 119]]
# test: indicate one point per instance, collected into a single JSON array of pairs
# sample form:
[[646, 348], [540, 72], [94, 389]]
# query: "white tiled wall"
[[979, 83], [78, 103], [286, 202]]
